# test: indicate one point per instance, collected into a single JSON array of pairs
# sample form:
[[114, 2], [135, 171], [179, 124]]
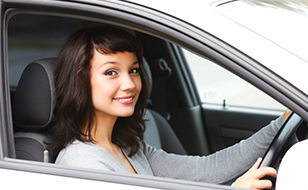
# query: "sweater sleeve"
[[220, 167]]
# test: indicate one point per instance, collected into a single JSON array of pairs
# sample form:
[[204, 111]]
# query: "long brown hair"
[[74, 109]]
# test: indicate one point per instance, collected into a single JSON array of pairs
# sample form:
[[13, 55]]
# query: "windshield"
[[283, 22]]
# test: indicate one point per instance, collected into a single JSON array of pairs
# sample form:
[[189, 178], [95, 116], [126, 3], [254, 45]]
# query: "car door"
[[28, 40]]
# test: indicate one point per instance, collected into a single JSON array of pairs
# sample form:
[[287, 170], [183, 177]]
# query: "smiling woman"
[[95, 85], [115, 88], [100, 126]]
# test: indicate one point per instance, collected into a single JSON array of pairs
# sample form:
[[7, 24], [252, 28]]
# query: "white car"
[[221, 70]]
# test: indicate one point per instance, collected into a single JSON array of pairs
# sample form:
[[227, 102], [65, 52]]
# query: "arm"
[[219, 167], [252, 178]]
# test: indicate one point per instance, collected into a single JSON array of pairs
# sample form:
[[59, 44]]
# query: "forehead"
[[119, 58]]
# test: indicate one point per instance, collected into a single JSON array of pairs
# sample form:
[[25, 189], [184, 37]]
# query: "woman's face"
[[115, 83]]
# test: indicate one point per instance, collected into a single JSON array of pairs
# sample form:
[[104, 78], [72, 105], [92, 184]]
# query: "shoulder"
[[77, 147], [293, 168], [89, 156], [152, 152], [79, 154]]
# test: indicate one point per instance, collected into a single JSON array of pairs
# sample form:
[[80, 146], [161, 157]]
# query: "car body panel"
[[49, 176], [40, 181], [208, 30]]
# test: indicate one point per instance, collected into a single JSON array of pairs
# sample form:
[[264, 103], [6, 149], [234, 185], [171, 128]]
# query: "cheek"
[[101, 89], [95, 93], [138, 84]]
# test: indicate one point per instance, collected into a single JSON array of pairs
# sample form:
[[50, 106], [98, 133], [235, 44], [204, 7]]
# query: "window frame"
[[140, 19]]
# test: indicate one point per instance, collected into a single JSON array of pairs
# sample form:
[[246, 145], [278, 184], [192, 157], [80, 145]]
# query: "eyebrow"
[[115, 62], [136, 62]]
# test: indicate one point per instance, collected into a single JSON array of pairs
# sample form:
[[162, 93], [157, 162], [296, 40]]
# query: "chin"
[[126, 114]]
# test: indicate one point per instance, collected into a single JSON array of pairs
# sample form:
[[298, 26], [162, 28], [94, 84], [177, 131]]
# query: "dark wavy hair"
[[74, 110]]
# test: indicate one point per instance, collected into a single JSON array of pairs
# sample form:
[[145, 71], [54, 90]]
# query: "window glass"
[[219, 86]]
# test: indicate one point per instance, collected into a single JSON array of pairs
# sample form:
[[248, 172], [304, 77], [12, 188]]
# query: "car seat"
[[32, 110], [32, 115], [166, 138]]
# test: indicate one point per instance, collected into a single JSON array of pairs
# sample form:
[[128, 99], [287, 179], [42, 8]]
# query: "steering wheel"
[[284, 139]]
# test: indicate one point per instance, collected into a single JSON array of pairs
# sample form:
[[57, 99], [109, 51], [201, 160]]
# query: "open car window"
[[220, 87], [182, 85]]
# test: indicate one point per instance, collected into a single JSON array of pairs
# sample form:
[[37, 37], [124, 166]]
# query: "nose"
[[127, 83]]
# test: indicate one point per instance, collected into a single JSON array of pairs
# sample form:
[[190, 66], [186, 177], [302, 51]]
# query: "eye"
[[111, 73], [134, 71]]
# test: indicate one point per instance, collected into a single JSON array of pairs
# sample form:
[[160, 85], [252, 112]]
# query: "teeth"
[[125, 99]]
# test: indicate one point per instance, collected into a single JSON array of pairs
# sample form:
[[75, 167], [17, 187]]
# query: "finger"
[[255, 165], [263, 184], [265, 171], [286, 114]]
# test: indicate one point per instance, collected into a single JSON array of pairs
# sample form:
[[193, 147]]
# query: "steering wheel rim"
[[279, 144]]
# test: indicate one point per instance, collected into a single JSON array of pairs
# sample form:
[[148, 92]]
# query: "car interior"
[[32, 98], [173, 93], [176, 119]]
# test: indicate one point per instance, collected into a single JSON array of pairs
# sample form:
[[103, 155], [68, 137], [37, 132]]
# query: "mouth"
[[125, 100]]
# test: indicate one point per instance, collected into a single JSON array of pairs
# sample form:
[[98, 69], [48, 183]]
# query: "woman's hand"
[[252, 178]]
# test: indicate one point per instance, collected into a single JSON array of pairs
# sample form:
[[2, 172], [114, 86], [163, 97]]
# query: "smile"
[[125, 100]]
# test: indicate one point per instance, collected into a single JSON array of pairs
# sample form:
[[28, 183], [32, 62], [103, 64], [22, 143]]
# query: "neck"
[[102, 133], [102, 130]]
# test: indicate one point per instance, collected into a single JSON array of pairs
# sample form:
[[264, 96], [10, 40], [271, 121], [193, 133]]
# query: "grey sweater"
[[219, 168]]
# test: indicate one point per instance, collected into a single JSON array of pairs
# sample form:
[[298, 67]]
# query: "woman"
[[101, 93]]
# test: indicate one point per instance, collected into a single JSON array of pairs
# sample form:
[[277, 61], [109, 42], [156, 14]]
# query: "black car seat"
[[32, 115], [166, 138], [32, 110]]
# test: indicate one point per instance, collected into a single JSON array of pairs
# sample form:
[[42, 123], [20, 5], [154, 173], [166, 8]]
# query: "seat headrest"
[[159, 69], [33, 101]]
